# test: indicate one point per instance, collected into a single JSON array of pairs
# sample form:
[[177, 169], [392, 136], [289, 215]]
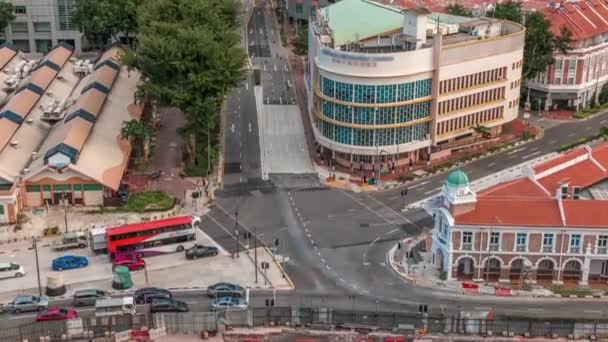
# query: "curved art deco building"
[[392, 87]]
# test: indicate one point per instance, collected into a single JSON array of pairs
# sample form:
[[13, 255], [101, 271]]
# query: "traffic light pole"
[[37, 267], [255, 252], [236, 232]]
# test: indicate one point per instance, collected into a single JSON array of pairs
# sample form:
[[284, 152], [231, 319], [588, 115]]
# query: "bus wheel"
[[180, 248]]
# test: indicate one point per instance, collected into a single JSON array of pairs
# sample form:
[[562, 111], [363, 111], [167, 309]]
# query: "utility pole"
[[37, 266], [65, 211], [255, 252], [236, 231]]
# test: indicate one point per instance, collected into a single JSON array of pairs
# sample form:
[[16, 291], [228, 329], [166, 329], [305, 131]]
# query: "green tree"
[[189, 56], [480, 130], [300, 42], [105, 20], [136, 133], [603, 97], [458, 9], [7, 14], [510, 10]]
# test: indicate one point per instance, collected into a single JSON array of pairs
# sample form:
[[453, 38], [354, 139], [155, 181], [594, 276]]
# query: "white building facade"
[[400, 92]]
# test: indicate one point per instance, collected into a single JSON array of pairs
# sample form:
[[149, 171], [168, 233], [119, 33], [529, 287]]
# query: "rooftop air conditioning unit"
[[29, 121], [14, 143], [25, 171]]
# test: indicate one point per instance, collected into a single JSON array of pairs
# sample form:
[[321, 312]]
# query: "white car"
[[11, 270]]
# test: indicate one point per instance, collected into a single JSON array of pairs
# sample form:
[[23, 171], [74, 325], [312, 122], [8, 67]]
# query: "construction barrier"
[[470, 288], [395, 339], [502, 292], [487, 290]]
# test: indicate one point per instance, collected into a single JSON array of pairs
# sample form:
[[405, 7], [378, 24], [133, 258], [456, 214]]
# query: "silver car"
[[229, 304], [27, 303], [88, 297]]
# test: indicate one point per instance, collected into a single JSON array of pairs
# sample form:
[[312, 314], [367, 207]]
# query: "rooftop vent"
[[14, 143], [29, 121]]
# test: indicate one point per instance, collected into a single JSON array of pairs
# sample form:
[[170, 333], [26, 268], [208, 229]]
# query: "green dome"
[[457, 178]]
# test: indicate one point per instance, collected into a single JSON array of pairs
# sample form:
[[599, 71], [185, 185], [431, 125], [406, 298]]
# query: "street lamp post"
[[37, 265], [236, 232], [65, 211], [255, 252]]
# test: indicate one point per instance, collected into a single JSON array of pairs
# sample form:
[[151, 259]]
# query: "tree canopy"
[[189, 57], [603, 96], [105, 20], [510, 10], [540, 42], [458, 9], [7, 14]]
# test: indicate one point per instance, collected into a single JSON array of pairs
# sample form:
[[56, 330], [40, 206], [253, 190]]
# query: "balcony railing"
[[520, 248], [575, 250], [494, 248], [467, 246], [602, 250], [547, 249]]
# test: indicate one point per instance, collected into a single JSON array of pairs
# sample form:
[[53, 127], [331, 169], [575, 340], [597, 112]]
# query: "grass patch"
[[587, 112], [405, 177], [571, 292], [141, 202]]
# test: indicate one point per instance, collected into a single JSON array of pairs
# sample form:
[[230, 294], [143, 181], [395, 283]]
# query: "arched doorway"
[[572, 270], [544, 272], [516, 270], [465, 269], [491, 269]]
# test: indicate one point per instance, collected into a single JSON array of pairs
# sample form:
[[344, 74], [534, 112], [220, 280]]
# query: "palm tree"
[[480, 130], [136, 133]]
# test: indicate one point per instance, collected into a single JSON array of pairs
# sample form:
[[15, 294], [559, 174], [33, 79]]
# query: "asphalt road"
[[337, 242]]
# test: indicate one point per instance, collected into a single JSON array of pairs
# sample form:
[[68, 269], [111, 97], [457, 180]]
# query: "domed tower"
[[457, 194]]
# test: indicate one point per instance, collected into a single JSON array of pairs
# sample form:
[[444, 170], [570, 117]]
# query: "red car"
[[131, 264], [55, 314]]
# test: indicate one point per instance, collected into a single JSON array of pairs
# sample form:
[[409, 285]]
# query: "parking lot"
[[171, 270]]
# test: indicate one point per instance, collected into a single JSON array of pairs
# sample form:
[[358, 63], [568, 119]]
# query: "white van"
[[114, 306], [11, 270]]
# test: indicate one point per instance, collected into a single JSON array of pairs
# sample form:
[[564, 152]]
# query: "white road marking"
[[593, 311], [515, 151], [491, 164], [431, 191], [250, 127], [531, 155], [246, 86], [327, 266], [588, 128], [536, 309], [603, 122], [394, 198], [323, 261], [572, 134], [418, 185], [232, 128]]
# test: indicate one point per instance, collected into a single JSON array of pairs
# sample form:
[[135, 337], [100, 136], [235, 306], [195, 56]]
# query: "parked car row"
[[226, 296]]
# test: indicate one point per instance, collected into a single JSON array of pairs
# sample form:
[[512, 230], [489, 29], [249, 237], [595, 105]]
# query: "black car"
[[225, 290], [200, 251], [168, 305], [141, 294]]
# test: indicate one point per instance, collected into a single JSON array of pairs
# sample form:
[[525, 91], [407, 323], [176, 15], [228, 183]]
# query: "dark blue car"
[[67, 262]]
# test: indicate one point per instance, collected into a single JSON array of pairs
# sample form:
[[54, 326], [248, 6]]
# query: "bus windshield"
[[150, 238]]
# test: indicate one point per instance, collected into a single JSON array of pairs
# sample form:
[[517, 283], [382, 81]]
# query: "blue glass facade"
[[376, 115]]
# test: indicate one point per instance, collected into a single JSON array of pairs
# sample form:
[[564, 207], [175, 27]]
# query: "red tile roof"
[[522, 187], [585, 19], [586, 213], [583, 174], [522, 202], [600, 154], [559, 160], [513, 212]]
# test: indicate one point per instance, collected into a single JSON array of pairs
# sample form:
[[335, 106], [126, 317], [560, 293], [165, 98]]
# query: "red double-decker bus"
[[144, 239]]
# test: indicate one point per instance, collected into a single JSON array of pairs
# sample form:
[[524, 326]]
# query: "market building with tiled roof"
[[548, 226], [60, 123], [576, 78]]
